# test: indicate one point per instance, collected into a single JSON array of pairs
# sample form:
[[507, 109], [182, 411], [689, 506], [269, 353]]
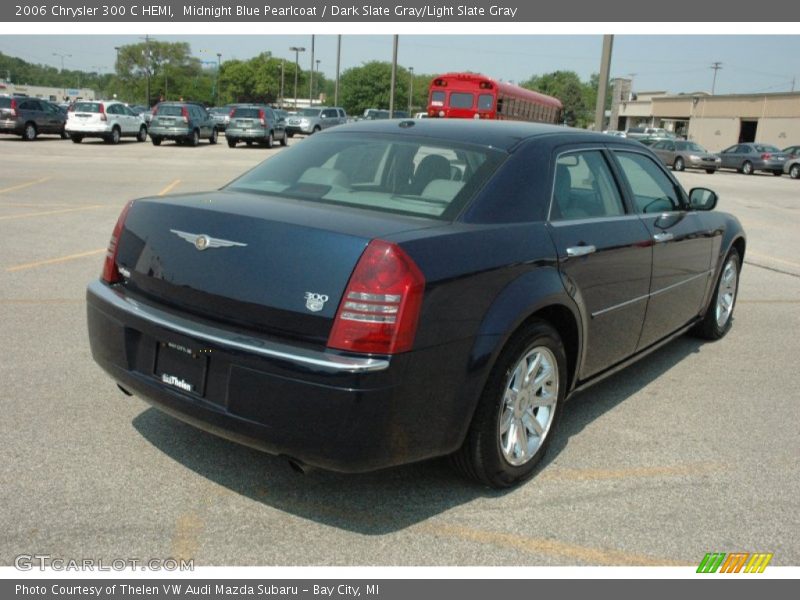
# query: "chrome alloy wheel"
[[528, 405], [726, 294]]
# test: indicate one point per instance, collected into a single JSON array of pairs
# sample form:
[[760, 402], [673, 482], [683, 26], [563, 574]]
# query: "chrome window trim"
[[228, 339]]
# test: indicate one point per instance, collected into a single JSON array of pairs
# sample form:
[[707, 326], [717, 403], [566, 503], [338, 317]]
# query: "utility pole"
[[410, 88], [311, 79], [394, 76], [297, 50], [318, 90], [716, 66], [216, 83], [147, 57], [602, 84], [338, 62], [282, 65]]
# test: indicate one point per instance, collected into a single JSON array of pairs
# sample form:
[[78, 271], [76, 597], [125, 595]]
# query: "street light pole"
[[394, 76], [116, 64], [297, 50], [282, 64], [318, 61], [338, 62], [311, 79], [216, 86], [63, 56], [410, 88]]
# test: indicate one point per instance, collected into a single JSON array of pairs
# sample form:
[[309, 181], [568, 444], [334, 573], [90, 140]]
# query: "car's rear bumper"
[[299, 129], [170, 133], [246, 134], [339, 412], [12, 126]]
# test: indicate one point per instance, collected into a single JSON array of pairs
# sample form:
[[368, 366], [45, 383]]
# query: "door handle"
[[580, 250], [663, 237]]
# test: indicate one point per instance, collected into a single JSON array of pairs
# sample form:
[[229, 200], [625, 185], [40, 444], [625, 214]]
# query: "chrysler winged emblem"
[[201, 241]]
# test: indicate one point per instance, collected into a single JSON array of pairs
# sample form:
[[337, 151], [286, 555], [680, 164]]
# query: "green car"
[[255, 124], [184, 122]]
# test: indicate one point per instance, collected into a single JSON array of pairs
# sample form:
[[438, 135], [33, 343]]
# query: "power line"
[[716, 66]]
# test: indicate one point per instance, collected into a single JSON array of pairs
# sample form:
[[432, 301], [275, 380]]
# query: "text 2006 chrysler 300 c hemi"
[[385, 292]]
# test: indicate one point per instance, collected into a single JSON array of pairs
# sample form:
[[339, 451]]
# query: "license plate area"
[[181, 366]]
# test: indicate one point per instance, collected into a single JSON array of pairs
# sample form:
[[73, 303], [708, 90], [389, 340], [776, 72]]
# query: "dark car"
[[255, 124], [749, 158], [29, 117], [184, 122], [391, 291]]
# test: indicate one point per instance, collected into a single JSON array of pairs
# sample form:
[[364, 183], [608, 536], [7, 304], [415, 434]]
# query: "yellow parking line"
[[49, 212], [52, 261], [167, 189], [549, 547], [24, 185]]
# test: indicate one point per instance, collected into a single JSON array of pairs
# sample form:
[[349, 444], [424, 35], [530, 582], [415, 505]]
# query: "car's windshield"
[[309, 112], [386, 173]]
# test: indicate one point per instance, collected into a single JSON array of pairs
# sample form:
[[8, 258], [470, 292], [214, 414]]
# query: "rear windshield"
[[246, 113], [765, 148], [90, 107], [170, 110], [309, 112], [385, 173], [5, 102]]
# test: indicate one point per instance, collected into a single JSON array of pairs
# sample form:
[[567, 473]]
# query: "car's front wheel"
[[231, 142], [777, 173], [77, 139], [747, 168], [518, 410], [679, 164], [794, 171], [142, 135], [156, 140], [213, 138], [719, 314], [711, 171]]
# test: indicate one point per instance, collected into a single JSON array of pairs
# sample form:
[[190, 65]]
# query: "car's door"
[[277, 125], [132, 120], [53, 117], [665, 150], [207, 119], [682, 245], [732, 157], [604, 255]]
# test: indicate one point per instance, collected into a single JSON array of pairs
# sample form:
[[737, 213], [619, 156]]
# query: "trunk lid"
[[265, 263]]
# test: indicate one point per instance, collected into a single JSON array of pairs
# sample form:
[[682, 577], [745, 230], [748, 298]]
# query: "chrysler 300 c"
[[386, 292]]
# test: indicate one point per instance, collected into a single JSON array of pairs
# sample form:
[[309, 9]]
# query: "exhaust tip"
[[124, 391]]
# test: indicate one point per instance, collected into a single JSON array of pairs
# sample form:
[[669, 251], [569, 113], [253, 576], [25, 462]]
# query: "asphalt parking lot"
[[692, 450]]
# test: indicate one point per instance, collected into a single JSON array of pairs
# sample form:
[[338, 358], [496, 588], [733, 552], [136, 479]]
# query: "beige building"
[[54, 94], [715, 122]]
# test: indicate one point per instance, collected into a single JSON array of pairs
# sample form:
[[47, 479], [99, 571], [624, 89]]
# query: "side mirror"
[[702, 199]]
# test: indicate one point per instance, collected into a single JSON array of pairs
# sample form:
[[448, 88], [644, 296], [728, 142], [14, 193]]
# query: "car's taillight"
[[103, 116], [111, 272], [380, 308], [184, 114], [261, 116], [230, 114], [13, 107], [766, 156]]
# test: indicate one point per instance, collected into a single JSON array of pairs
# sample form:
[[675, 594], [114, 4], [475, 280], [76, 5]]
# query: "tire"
[[711, 171], [156, 140], [269, 141], [315, 130], [194, 140], [76, 139], [679, 164], [114, 137], [29, 133], [794, 171], [213, 138], [777, 173], [747, 168], [492, 453], [284, 141], [249, 143], [231, 142], [719, 314], [290, 134], [142, 135], [64, 135]]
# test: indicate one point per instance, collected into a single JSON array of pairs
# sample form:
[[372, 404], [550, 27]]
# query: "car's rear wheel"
[[64, 135], [316, 129], [213, 138], [777, 173], [290, 134], [283, 139], [518, 410], [719, 314], [194, 139], [231, 142], [113, 138], [794, 171], [747, 167], [156, 140], [249, 142], [29, 133], [679, 164], [77, 139], [269, 141], [142, 135], [711, 171]]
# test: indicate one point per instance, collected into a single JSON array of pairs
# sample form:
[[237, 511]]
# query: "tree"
[[368, 86], [573, 93], [259, 80]]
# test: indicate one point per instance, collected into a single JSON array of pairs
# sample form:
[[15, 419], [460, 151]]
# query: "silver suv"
[[311, 120]]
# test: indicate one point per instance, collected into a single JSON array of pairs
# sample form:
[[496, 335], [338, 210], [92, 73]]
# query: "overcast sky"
[[671, 63]]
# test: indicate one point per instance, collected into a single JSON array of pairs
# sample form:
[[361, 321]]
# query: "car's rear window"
[[246, 113], [309, 112], [89, 107], [766, 148], [5, 102], [382, 172], [170, 110]]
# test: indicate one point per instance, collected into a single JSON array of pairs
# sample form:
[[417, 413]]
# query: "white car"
[[107, 119]]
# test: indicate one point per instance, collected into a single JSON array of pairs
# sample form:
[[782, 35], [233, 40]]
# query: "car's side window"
[[652, 190], [584, 188]]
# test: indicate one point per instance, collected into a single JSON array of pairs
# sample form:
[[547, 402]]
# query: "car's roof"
[[498, 134]]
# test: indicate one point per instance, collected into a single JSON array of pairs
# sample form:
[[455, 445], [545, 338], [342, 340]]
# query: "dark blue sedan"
[[387, 292]]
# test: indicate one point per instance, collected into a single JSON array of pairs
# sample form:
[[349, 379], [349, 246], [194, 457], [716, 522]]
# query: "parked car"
[[649, 141], [221, 116], [421, 115], [792, 151], [372, 114], [616, 133], [312, 120], [107, 119], [752, 157], [349, 304], [142, 111], [792, 167], [29, 117], [255, 123], [646, 132], [183, 122], [681, 155]]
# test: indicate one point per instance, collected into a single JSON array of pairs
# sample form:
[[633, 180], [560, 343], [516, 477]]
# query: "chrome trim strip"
[[651, 294], [312, 358]]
